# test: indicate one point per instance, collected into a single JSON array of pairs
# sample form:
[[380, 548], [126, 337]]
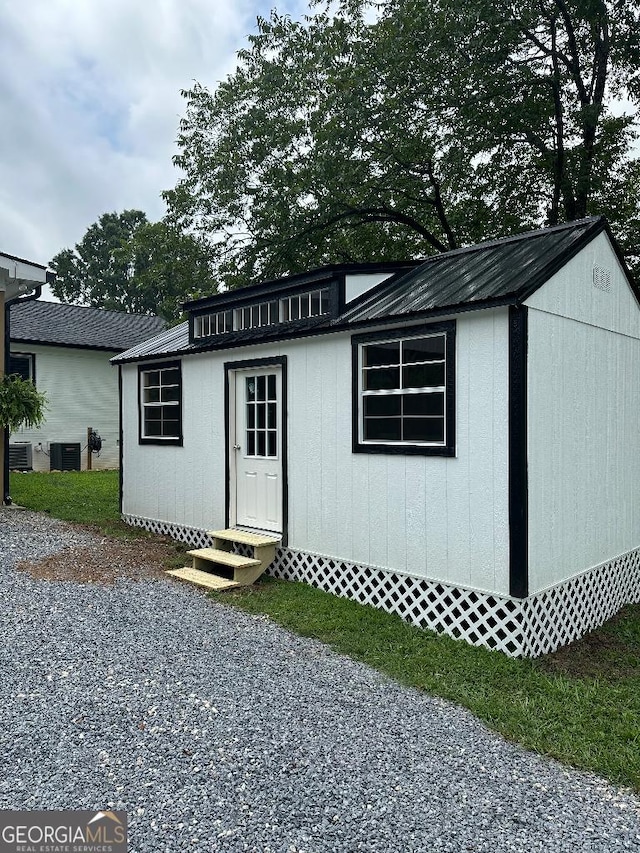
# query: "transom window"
[[161, 403], [301, 306], [405, 392]]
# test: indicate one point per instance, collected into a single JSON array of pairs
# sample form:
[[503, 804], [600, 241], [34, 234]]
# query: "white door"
[[257, 449]]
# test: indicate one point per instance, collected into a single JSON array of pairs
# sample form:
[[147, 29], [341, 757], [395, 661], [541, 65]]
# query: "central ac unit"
[[21, 456]]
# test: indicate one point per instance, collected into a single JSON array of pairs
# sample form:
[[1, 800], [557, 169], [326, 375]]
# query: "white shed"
[[456, 440]]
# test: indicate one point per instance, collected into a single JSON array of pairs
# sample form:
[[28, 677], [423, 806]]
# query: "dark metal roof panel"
[[79, 326], [498, 271], [171, 341]]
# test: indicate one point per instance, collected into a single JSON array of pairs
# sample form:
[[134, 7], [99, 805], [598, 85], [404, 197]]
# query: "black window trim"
[[147, 367], [32, 360], [401, 333]]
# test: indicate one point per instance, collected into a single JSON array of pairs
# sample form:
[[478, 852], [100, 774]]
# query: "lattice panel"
[[529, 627], [564, 613], [479, 618], [190, 535]]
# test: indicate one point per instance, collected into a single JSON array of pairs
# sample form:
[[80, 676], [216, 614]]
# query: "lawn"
[[580, 705]]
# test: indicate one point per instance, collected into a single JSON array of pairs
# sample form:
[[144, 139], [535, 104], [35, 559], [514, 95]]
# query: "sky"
[[90, 104]]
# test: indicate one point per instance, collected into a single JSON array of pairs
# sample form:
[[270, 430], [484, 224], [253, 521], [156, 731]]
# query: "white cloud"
[[90, 103]]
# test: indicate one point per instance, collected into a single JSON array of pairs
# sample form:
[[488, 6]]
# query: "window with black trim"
[[160, 395], [23, 364], [404, 391]]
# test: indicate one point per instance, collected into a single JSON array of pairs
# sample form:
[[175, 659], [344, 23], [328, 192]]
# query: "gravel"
[[219, 731]]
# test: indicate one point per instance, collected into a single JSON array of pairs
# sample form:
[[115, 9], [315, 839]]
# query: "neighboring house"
[[459, 444], [65, 350]]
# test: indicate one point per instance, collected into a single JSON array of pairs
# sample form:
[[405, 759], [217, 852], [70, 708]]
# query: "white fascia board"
[[18, 277]]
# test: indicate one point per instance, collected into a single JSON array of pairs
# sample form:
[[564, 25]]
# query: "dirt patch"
[[106, 561], [602, 654]]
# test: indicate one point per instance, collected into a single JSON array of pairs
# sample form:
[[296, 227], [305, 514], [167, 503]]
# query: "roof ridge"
[[514, 238]]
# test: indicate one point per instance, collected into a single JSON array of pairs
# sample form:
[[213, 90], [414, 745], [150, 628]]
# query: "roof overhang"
[[18, 277]]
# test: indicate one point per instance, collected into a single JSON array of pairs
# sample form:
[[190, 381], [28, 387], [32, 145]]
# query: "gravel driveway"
[[217, 730]]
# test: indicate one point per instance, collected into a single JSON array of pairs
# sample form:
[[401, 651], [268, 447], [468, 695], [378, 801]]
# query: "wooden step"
[[224, 558], [244, 537], [204, 579]]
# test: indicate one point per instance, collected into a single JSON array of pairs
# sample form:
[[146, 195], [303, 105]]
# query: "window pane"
[[423, 349], [261, 415], [261, 385], [151, 395], [171, 377], [271, 416], [251, 416], [315, 303], [284, 304], [261, 448], [250, 388], [251, 443], [264, 314], [255, 316], [171, 427], [423, 429], [295, 308], [271, 444], [389, 404], [152, 428], [271, 387], [228, 321], [324, 301], [171, 394], [422, 375], [153, 414], [423, 404], [382, 429], [151, 378], [381, 379], [304, 304], [375, 354]]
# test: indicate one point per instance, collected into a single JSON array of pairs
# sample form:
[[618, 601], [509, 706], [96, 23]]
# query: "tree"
[[433, 126], [126, 263]]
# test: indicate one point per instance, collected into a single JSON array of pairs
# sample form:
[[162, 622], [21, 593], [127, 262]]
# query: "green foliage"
[[354, 137], [21, 404], [126, 263]]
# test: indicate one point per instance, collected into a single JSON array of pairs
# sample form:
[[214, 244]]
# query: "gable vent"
[[602, 279]]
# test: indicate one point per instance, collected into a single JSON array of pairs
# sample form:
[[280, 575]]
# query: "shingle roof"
[[79, 326], [499, 272]]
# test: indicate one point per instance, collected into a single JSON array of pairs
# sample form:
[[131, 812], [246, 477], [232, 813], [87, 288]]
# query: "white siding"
[[82, 391], [356, 285], [583, 413], [444, 518]]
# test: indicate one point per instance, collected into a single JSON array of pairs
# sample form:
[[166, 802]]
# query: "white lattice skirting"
[[528, 627]]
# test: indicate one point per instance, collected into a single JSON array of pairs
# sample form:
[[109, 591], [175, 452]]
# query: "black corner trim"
[[229, 367], [449, 448], [174, 441], [518, 479], [120, 434]]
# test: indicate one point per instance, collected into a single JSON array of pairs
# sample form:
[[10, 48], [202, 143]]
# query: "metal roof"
[[58, 324], [499, 272]]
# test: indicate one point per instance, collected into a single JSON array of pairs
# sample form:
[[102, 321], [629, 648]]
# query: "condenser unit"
[[21, 456], [64, 456]]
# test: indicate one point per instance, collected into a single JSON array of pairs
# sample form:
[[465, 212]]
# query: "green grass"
[[580, 705], [84, 497]]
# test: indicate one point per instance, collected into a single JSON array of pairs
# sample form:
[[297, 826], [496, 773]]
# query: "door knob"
[[236, 447]]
